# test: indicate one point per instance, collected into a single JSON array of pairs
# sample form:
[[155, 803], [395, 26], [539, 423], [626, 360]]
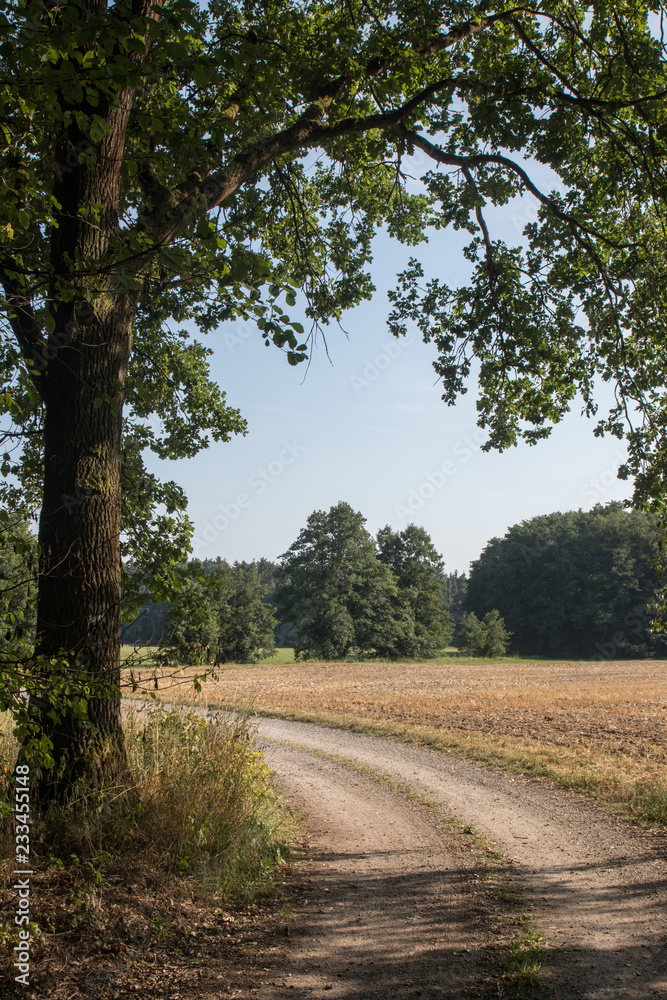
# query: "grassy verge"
[[206, 808], [129, 877]]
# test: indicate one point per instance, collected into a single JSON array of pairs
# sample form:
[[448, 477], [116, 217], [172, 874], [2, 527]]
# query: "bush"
[[487, 637], [207, 808]]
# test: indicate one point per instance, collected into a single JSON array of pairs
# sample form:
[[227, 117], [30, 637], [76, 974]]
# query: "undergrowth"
[[206, 805], [200, 808]]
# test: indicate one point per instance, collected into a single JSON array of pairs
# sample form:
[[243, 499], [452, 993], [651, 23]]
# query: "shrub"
[[487, 637]]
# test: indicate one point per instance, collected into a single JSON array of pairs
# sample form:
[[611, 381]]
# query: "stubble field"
[[598, 727]]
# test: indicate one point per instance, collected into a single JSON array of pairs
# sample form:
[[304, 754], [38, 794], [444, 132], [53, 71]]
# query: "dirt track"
[[395, 923]]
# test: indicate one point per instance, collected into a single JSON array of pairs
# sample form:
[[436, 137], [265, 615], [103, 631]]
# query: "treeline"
[[573, 585], [564, 585], [221, 614], [336, 591]]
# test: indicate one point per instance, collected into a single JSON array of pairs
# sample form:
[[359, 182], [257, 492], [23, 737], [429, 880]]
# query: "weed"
[[201, 807], [523, 957], [206, 809]]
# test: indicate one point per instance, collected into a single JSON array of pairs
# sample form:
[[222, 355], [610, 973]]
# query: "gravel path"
[[397, 925]]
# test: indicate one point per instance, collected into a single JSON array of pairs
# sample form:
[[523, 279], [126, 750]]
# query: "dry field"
[[598, 727]]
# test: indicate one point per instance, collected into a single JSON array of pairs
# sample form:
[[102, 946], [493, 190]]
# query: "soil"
[[596, 884], [140, 936]]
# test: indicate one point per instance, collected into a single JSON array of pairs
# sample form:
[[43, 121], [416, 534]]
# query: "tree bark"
[[79, 602], [84, 368]]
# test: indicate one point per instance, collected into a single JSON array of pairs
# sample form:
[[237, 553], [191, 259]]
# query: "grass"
[[201, 808], [596, 727], [197, 848], [207, 810], [523, 956], [148, 655]]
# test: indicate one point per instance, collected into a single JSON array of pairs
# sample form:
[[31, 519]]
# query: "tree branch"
[[579, 230], [25, 327]]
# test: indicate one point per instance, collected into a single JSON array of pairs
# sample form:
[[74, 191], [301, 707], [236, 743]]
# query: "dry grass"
[[598, 727], [143, 900]]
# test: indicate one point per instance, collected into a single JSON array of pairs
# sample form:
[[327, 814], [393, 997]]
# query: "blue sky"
[[370, 428]]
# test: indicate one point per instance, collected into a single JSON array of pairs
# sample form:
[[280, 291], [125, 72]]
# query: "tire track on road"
[[597, 884]]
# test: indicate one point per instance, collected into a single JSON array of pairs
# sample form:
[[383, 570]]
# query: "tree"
[[156, 171], [245, 622], [340, 597], [284, 633], [574, 584], [219, 616], [147, 627], [455, 591], [418, 569], [487, 637]]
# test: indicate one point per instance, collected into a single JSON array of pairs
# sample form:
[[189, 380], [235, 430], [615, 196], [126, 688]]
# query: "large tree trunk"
[[86, 360], [79, 585]]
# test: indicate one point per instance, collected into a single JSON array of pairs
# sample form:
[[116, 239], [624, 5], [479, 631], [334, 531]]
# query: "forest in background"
[[566, 585]]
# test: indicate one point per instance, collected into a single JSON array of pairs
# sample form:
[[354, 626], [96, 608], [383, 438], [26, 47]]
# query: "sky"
[[367, 425]]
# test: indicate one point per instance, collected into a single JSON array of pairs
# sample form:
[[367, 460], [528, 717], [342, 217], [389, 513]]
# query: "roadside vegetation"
[[202, 833]]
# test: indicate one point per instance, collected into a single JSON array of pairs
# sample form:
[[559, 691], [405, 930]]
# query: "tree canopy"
[[168, 165], [219, 616], [345, 596], [418, 569], [574, 584]]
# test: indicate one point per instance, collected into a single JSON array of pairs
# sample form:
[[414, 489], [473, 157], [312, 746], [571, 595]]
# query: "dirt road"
[[388, 913]]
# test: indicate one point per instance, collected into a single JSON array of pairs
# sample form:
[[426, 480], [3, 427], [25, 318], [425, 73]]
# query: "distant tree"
[[418, 569], [455, 589], [471, 635], [284, 633], [487, 637], [575, 584], [219, 616], [191, 624], [18, 582], [340, 597], [245, 622]]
